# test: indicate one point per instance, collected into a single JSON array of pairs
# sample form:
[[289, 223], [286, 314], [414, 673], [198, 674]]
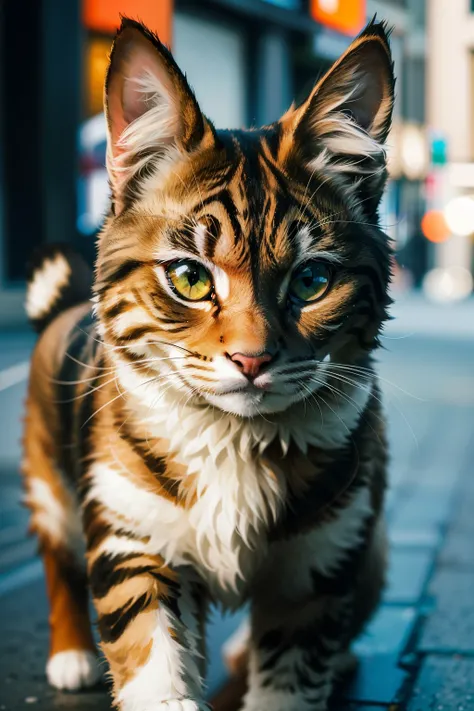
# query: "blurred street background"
[[247, 60]]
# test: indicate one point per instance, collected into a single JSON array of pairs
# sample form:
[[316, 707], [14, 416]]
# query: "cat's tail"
[[58, 278]]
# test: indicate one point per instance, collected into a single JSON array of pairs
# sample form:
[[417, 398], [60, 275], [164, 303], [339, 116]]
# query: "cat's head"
[[234, 264]]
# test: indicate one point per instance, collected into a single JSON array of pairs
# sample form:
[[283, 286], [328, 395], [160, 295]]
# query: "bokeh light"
[[459, 214], [434, 226], [448, 284]]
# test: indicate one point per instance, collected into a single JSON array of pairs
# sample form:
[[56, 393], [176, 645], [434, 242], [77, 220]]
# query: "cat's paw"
[[74, 669]]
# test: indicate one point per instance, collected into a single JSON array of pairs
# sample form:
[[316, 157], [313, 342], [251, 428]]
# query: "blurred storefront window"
[[288, 4], [215, 66]]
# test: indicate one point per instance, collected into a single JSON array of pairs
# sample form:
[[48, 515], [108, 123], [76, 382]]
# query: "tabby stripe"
[[213, 233], [122, 272], [105, 573], [156, 465], [134, 334], [117, 309], [113, 625], [225, 200], [278, 174]]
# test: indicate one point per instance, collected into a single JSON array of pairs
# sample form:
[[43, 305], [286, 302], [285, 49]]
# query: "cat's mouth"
[[250, 400], [264, 394], [251, 388]]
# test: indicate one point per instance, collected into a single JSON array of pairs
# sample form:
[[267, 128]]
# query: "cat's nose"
[[251, 365]]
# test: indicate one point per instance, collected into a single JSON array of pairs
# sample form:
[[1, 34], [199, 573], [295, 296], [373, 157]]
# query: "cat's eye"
[[310, 282], [189, 279]]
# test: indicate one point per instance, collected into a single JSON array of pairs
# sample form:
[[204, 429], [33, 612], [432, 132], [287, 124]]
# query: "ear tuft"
[[152, 114]]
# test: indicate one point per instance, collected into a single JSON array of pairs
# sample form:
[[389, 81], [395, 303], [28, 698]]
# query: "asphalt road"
[[428, 383]]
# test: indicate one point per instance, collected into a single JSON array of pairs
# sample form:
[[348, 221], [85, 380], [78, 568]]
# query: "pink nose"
[[250, 365]]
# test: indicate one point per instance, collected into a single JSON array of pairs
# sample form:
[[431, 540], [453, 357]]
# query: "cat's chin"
[[251, 405]]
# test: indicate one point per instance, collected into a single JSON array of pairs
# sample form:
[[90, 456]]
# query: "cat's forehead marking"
[[221, 278]]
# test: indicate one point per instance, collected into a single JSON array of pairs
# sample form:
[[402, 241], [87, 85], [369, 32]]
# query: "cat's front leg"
[[150, 621], [294, 653]]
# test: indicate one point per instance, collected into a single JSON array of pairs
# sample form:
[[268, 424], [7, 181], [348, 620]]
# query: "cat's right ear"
[[152, 114]]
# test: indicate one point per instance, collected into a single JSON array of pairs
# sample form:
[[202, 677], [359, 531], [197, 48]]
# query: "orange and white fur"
[[209, 428]]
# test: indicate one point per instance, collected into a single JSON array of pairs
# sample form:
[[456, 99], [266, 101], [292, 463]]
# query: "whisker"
[[94, 377], [87, 365], [85, 394], [145, 382], [75, 382], [397, 407], [139, 345], [360, 370]]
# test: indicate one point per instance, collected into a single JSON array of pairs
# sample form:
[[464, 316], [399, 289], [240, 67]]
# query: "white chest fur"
[[223, 534]]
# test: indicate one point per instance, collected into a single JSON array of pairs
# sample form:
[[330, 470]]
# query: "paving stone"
[[444, 684], [450, 625], [379, 678], [387, 633], [407, 574], [346, 706]]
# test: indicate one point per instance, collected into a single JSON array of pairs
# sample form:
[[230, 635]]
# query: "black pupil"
[[193, 276], [311, 277]]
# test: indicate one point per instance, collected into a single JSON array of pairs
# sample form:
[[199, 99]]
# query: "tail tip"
[[57, 279]]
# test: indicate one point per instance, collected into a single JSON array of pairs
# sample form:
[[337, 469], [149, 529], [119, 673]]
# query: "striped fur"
[[184, 479]]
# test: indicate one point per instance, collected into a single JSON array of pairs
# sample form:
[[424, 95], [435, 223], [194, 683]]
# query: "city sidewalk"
[[413, 314], [418, 653]]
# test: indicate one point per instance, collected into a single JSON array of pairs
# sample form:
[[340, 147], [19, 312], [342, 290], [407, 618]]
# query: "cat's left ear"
[[343, 125]]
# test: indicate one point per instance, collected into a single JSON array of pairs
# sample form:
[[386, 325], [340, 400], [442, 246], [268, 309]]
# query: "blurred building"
[[246, 59], [450, 113]]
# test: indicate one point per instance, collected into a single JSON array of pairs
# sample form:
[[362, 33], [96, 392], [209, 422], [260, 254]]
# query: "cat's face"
[[237, 265]]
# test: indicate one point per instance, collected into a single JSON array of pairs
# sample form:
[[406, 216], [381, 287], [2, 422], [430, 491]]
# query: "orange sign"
[[104, 15], [346, 16]]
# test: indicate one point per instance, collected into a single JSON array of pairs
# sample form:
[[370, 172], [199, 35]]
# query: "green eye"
[[310, 282], [189, 279]]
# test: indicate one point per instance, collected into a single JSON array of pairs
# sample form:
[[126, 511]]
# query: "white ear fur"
[[152, 115], [346, 119], [341, 135], [152, 131]]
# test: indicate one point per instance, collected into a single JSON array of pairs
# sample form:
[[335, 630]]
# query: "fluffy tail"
[[58, 278]]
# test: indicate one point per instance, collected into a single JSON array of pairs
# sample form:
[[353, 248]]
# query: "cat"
[[207, 426]]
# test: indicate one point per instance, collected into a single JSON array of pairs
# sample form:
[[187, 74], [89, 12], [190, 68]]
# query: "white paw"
[[73, 670]]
